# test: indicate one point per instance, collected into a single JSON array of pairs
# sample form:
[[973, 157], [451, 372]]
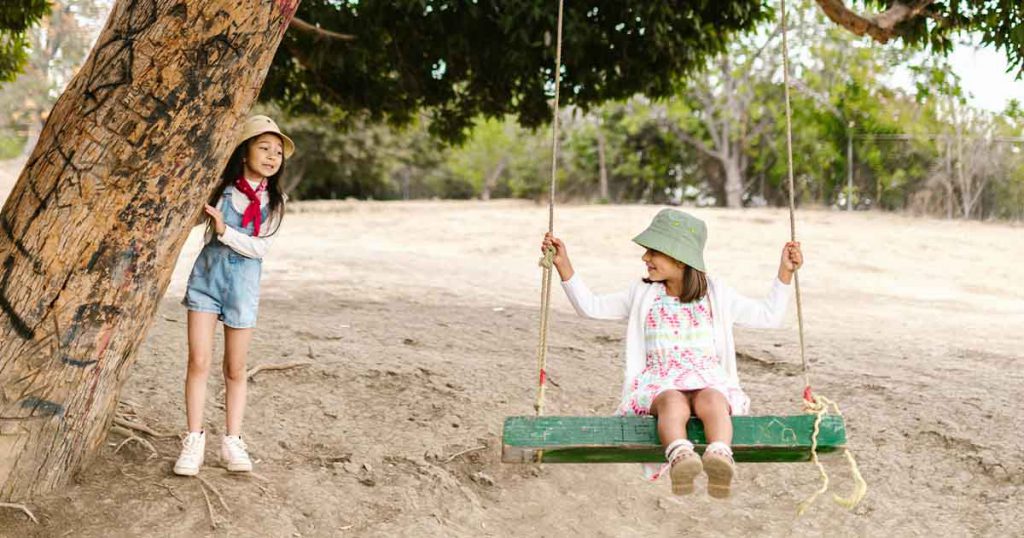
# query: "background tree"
[[16, 17], [460, 60], [56, 47]]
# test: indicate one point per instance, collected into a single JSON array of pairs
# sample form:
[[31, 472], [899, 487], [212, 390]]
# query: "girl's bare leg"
[[236, 349], [713, 410], [673, 411], [201, 326]]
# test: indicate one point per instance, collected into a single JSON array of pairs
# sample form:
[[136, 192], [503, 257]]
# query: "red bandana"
[[252, 211]]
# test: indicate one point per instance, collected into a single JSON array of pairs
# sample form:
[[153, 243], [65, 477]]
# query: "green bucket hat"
[[676, 234]]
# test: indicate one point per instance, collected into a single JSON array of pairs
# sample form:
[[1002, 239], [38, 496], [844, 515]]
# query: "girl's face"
[[661, 267], [263, 156]]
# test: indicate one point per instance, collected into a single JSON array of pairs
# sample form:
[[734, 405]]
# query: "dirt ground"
[[421, 323]]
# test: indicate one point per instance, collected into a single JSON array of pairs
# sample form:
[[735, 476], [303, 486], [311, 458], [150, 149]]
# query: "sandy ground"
[[421, 321], [9, 171]]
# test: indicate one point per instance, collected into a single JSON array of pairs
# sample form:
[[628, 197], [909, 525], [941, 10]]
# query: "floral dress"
[[680, 351]]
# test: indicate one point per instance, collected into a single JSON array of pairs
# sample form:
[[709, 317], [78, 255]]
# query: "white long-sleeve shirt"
[[728, 308], [246, 245]]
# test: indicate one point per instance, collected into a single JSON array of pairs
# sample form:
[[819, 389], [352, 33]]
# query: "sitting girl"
[[680, 352]]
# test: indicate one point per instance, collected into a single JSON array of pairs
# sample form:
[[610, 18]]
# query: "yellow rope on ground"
[[819, 407], [813, 403]]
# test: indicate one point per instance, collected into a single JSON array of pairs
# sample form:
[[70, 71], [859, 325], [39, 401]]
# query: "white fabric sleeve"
[[247, 245], [588, 305], [766, 313]]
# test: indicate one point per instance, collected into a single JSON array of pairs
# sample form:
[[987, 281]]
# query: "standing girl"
[[244, 213], [680, 352]]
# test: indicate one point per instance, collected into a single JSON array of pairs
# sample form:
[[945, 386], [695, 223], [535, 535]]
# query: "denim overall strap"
[[235, 219]]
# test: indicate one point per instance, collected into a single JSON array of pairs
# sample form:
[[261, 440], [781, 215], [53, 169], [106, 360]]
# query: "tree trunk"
[[293, 175], [602, 166], [35, 126], [733, 183], [961, 178], [491, 180], [950, 195], [91, 232], [406, 182]]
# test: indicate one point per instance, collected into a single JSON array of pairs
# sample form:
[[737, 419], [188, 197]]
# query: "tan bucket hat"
[[259, 124]]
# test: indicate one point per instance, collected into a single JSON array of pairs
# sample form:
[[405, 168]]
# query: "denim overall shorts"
[[224, 282]]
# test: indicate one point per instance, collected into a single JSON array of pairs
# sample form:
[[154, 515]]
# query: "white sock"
[[720, 448], [673, 448]]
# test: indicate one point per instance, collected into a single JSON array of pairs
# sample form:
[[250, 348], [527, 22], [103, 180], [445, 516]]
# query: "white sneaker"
[[233, 454], [193, 449]]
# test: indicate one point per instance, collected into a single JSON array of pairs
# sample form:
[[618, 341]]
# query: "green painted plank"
[[635, 439]]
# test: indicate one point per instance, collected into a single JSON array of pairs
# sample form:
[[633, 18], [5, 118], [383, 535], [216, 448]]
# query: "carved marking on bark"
[[17, 322], [116, 57], [100, 319], [45, 407], [8, 230], [109, 73], [77, 363]]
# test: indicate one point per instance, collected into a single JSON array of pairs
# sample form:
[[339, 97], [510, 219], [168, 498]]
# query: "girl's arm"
[[770, 311], [246, 245], [586, 304]]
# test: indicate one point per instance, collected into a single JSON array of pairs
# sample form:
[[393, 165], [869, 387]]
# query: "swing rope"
[[547, 262], [819, 405]]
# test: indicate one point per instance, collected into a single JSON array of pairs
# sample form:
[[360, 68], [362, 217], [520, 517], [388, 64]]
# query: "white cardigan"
[[728, 308]]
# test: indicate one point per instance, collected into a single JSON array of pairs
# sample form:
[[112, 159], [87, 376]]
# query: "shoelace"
[[237, 447], [191, 446]]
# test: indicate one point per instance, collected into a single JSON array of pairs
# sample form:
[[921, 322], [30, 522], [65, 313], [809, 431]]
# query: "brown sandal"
[[685, 468], [720, 469]]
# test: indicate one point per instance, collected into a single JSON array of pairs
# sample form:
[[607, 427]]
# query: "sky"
[[983, 75]]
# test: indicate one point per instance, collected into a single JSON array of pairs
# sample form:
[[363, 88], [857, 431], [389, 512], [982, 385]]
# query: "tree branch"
[[695, 142], [749, 64], [317, 31], [21, 507], [822, 100], [881, 26], [758, 129], [267, 367], [707, 100]]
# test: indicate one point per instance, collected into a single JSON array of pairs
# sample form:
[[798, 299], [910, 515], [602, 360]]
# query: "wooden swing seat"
[[635, 439]]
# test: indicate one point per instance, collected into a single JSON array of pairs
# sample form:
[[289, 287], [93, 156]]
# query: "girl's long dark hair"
[[695, 285], [235, 169]]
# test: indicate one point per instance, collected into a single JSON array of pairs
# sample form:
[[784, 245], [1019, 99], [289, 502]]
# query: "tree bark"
[[881, 27], [491, 180], [602, 165], [91, 232], [950, 195], [733, 183]]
